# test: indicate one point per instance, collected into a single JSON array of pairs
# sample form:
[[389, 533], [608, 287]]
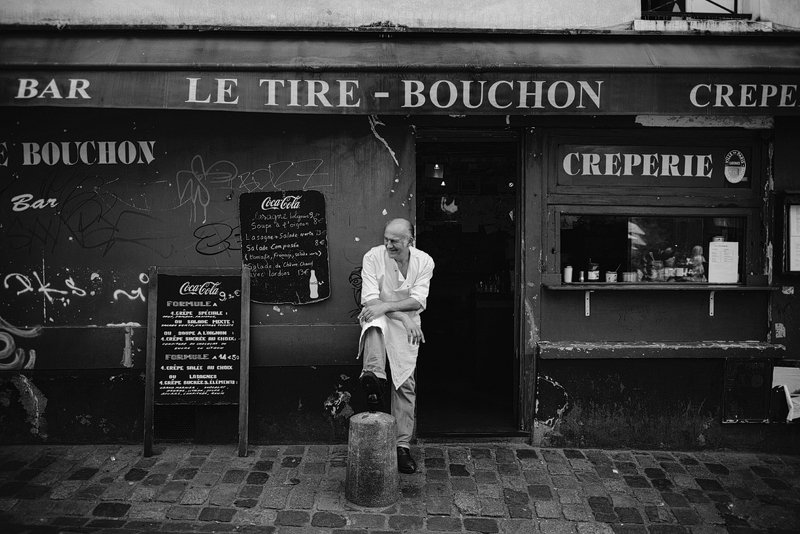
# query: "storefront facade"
[[661, 162]]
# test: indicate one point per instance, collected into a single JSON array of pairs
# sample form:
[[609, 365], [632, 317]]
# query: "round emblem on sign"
[[735, 167]]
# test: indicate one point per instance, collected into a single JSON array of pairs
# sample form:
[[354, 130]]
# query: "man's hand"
[[373, 310], [414, 331]]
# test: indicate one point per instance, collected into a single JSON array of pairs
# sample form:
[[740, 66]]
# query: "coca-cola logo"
[[289, 202], [206, 288]]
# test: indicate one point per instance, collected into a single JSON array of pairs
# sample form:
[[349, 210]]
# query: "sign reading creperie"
[[536, 93], [664, 166]]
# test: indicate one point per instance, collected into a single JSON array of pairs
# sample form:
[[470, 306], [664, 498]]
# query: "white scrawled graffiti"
[[137, 293], [12, 357], [34, 283], [37, 284]]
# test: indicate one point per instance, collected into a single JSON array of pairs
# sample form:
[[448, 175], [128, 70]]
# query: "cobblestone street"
[[471, 487]]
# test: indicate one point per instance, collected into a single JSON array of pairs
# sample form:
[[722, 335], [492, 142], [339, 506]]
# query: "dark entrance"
[[466, 219]]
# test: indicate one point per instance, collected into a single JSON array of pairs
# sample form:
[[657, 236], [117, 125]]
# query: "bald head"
[[400, 226], [398, 236]]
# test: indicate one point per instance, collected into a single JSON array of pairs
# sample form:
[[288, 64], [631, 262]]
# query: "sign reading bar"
[[197, 347], [523, 93], [285, 244]]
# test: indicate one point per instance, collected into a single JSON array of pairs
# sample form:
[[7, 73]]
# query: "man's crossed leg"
[[403, 399]]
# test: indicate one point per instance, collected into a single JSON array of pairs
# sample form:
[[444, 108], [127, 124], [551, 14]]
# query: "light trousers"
[[403, 398]]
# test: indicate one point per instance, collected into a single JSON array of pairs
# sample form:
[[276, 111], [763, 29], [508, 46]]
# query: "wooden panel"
[[714, 144], [654, 316], [529, 311]]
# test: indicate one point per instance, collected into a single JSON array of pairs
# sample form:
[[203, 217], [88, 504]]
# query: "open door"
[[467, 193]]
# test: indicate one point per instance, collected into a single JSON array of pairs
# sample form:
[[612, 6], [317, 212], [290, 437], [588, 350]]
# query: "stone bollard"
[[372, 477]]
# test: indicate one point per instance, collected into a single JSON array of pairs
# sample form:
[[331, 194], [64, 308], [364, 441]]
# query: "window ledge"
[[559, 350], [637, 286]]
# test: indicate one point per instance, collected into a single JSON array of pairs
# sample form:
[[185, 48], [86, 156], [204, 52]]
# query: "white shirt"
[[381, 279]]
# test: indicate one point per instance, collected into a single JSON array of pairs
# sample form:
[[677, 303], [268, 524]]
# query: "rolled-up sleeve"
[[422, 283], [369, 279]]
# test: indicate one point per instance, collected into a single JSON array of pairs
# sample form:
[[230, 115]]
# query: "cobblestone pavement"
[[488, 488]]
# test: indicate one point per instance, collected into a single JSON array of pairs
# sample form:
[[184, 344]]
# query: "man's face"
[[397, 240]]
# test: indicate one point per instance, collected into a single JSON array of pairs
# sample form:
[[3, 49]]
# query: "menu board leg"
[[149, 387], [244, 362]]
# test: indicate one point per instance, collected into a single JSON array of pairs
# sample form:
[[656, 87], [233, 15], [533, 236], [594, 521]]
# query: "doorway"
[[467, 198]]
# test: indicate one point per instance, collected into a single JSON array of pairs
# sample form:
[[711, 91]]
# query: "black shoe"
[[373, 387], [405, 463]]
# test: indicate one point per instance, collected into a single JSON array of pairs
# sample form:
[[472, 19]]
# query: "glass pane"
[[644, 249]]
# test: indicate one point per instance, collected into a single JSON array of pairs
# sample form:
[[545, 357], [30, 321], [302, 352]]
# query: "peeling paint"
[[780, 330], [127, 353], [34, 403], [768, 263], [770, 162], [703, 121], [373, 122], [533, 338], [787, 290], [551, 404]]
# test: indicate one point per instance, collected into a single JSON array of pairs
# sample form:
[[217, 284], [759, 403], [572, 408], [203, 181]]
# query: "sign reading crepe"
[[285, 243]]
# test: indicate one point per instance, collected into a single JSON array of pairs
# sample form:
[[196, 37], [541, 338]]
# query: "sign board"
[[197, 350], [664, 166], [404, 91], [285, 244]]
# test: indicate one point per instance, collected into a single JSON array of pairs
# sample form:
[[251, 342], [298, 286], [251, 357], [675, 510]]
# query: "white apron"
[[402, 355]]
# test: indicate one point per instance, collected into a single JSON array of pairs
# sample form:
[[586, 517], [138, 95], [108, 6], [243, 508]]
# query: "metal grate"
[[676, 9]]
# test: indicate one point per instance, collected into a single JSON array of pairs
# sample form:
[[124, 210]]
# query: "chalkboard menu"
[[285, 244], [198, 324]]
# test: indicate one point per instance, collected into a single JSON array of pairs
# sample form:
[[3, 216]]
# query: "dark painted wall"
[[73, 293], [73, 270]]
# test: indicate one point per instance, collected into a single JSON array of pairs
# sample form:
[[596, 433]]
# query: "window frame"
[[658, 201]]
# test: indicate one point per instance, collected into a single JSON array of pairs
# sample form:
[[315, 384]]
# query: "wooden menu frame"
[[153, 352]]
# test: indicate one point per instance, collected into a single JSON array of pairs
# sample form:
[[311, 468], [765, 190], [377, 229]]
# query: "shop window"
[[655, 209], [615, 248]]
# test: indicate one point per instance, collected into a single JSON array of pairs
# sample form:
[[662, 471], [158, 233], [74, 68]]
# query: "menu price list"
[[284, 242], [198, 343]]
